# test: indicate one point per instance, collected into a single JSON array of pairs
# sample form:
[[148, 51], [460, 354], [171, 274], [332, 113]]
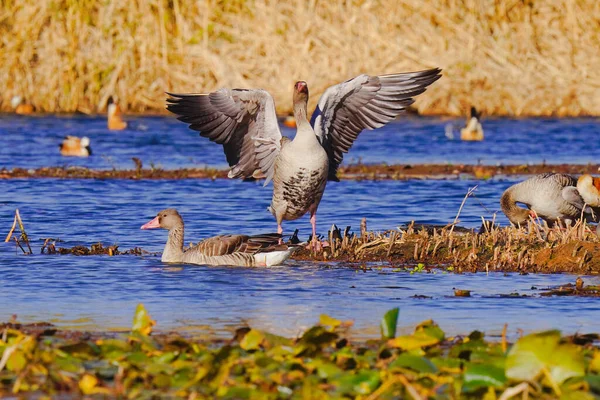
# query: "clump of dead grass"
[[506, 57], [534, 248]]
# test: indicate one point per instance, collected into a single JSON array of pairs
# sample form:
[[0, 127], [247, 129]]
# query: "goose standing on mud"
[[240, 250], [551, 197], [245, 123], [473, 131]]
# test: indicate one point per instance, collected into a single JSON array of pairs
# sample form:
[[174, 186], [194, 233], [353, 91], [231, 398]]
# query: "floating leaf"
[[430, 328], [577, 395], [88, 383], [414, 362], [532, 353], [364, 382], [426, 334], [142, 322], [328, 321], [17, 361], [252, 340], [328, 371], [480, 375], [389, 323]]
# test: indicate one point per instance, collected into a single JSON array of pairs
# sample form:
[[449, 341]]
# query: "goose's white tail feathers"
[[273, 257]]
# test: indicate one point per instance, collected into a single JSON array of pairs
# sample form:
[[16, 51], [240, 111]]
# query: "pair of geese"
[[244, 122], [553, 198], [74, 146]]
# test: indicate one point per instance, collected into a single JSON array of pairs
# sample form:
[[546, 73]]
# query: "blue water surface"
[[165, 142], [101, 292]]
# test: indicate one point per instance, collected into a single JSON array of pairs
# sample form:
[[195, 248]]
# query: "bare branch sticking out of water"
[[24, 237]]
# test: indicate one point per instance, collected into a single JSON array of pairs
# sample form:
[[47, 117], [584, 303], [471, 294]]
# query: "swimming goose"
[[245, 123], [21, 106], [76, 147], [548, 196], [115, 120], [242, 250], [473, 131]]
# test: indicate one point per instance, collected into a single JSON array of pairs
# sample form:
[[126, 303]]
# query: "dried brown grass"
[[534, 248], [507, 57]]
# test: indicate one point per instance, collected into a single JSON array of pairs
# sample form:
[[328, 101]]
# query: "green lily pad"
[[364, 382], [389, 323], [414, 362], [328, 321], [252, 340], [142, 322], [532, 353], [477, 376]]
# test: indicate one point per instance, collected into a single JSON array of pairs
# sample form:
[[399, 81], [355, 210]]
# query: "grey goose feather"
[[552, 197], [245, 123], [238, 250]]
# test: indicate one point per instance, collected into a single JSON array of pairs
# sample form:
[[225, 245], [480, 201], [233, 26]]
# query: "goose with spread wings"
[[245, 123]]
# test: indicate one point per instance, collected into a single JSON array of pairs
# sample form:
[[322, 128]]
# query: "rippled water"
[[100, 292], [166, 142]]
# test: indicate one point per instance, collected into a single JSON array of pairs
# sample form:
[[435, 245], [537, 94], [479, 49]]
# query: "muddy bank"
[[535, 249], [350, 172]]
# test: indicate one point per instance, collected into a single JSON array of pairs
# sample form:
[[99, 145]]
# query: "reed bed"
[[507, 57], [534, 248]]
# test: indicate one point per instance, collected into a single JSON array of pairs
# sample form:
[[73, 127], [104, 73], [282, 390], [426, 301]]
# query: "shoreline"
[[425, 248], [357, 172]]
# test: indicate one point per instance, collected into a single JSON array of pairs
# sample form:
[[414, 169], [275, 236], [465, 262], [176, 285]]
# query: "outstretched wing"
[[242, 120], [364, 102]]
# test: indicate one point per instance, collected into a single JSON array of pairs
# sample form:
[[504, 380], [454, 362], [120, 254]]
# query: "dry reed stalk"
[[469, 193], [24, 237]]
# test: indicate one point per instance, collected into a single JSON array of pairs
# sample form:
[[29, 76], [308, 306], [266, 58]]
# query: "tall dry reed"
[[507, 57]]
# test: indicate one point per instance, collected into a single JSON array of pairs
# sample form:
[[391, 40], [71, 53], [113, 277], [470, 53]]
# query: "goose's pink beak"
[[152, 224], [301, 87]]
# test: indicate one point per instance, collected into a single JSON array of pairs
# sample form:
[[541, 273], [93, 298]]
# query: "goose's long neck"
[[174, 248], [508, 202], [305, 132]]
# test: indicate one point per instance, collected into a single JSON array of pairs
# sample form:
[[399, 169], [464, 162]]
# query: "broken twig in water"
[[24, 237]]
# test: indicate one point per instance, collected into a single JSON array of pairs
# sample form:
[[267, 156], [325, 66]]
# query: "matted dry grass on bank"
[[507, 57]]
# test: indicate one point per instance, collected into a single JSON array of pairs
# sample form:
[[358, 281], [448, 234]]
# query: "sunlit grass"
[[506, 57]]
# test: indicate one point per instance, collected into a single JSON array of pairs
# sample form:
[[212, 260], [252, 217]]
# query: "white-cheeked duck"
[[72, 146], [21, 107], [237, 250], [473, 131]]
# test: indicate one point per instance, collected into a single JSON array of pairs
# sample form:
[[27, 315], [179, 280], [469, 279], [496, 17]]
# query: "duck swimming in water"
[[473, 131], [20, 106], [114, 117], [75, 147]]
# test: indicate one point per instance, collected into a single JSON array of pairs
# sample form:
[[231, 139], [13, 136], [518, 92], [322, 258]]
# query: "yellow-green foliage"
[[507, 57]]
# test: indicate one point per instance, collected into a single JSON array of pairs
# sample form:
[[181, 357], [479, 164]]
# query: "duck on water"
[[245, 123]]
